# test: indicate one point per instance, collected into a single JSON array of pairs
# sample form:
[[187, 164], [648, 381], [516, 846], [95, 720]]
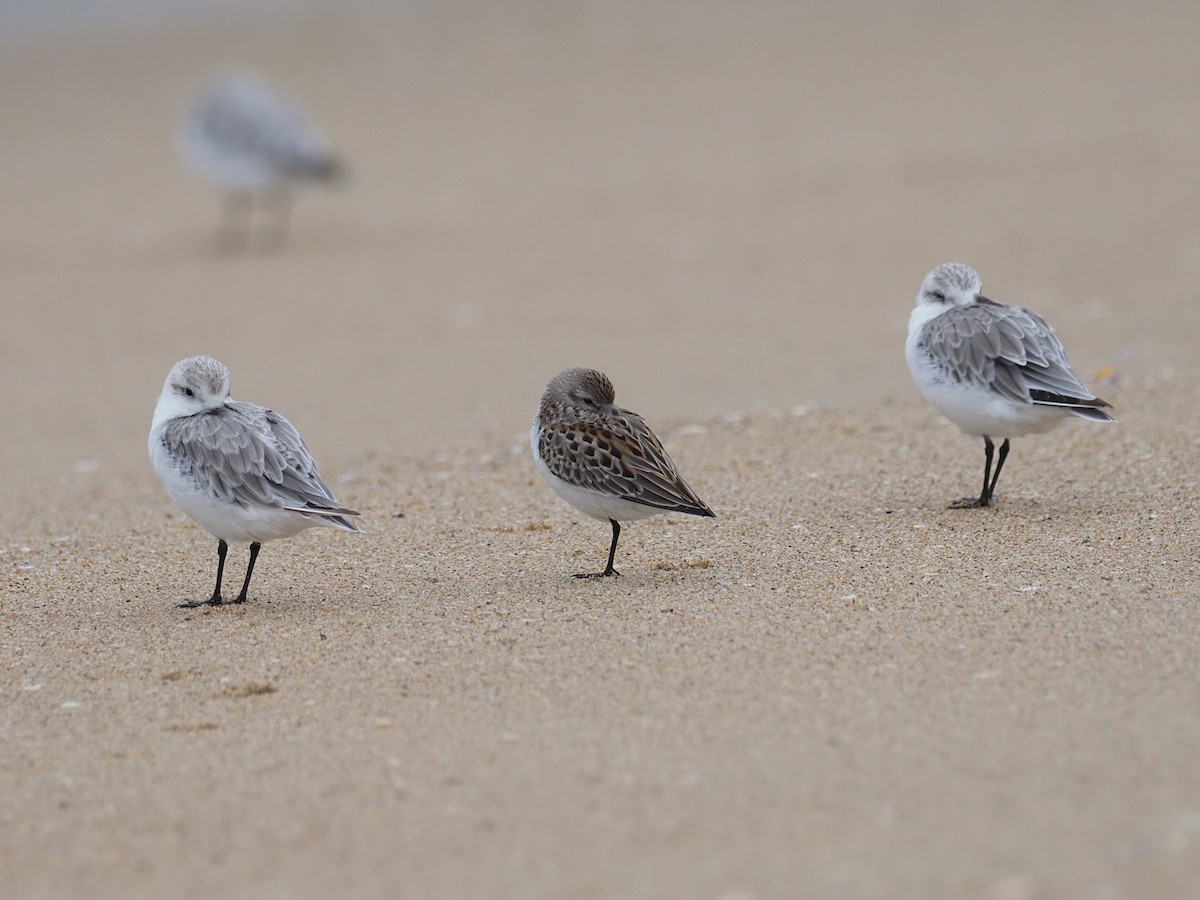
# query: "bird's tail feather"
[[333, 515], [1086, 408]]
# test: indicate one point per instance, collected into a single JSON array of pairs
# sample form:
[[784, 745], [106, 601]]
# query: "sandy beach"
[[835, 688]]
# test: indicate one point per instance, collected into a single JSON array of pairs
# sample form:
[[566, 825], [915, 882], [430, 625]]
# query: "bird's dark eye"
[[189, 392], [938, 296]]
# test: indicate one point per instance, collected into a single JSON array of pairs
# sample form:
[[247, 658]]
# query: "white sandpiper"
[[603, 460], [240, 471], [994, 370], [253, 143]]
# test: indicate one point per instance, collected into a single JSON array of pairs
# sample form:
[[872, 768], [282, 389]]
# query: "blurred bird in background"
[[255, 145]]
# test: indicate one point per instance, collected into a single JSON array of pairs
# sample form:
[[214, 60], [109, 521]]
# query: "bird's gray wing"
[[1007, 349], [298, 476], [244, 453], [247, 118]]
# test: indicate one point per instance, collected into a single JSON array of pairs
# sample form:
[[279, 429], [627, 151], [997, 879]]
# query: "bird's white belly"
[[230, 167], [981, 413], [975, 409]]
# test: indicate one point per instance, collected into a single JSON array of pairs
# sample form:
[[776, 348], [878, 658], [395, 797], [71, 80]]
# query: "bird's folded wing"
[[1006, 349]]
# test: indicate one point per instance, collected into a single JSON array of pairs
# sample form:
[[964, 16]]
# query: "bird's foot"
[[605, 574], [214, 600], [970, 503]]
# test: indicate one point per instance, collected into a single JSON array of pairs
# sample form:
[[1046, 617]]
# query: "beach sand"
[[836, 688]]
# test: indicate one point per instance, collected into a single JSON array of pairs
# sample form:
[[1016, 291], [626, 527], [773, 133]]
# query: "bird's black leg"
[[612, 554], [278, 204], [254, 548], [236, 216], [999, 465], [215, 599], [612, 550], [985, 496]]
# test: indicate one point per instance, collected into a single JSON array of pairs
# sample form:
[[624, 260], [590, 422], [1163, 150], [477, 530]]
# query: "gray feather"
[[1006, 349], [246, 454]]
